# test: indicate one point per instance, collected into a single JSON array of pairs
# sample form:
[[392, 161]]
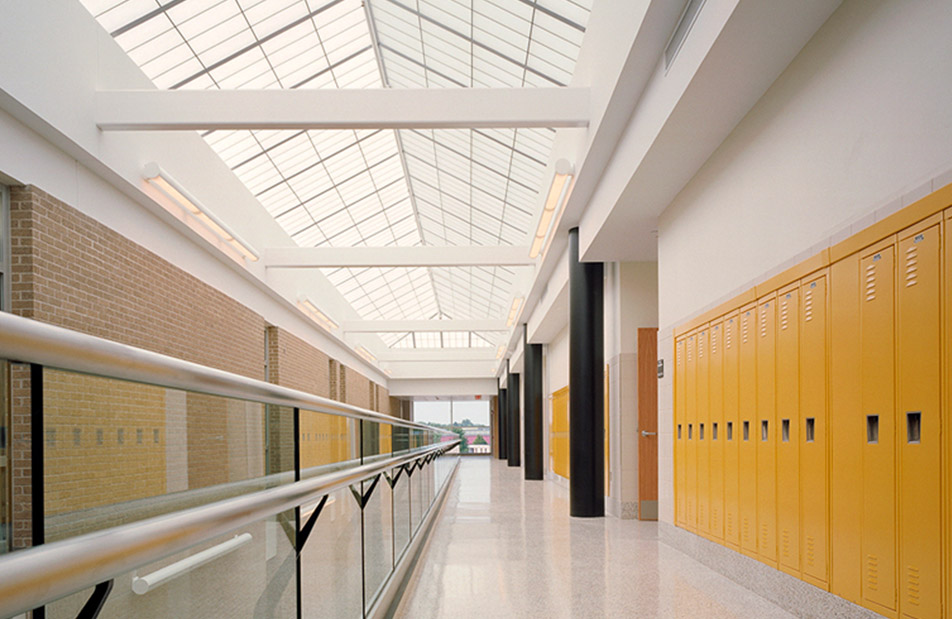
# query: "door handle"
[[646, 433]]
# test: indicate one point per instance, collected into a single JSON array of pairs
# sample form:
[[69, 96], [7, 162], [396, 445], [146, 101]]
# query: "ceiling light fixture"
[[501, 351], [160, 179], [315, 314], [554, 202], [366, 354], [514, 311]]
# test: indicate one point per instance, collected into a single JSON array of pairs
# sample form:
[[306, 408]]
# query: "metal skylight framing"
[[383, 187]]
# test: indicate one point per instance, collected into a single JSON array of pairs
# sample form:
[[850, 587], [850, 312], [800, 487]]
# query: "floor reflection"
[[506, 547]]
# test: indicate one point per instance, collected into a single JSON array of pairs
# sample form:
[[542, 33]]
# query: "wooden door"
[[647, 424]]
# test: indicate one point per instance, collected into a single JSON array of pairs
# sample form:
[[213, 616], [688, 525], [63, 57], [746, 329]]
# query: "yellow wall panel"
[[877, 324], [813, 434], [680, 432], [788, 422], [847, 431], [731, 431], [716, 419], [702, 433], [918, 422], [767, 429], [690, 444], [747, 403], [559, 435]]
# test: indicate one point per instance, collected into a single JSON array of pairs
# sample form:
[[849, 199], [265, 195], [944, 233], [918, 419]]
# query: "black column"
[[503, 425], [586, 395], [515, 456], [533, 409]]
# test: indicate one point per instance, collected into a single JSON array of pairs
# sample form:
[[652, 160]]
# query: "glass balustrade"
[[117, 453]]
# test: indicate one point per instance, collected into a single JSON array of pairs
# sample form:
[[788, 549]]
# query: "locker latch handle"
[[646, 433]]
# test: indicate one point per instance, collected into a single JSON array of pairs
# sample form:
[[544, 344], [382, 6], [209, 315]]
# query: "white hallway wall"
[[857, 126]]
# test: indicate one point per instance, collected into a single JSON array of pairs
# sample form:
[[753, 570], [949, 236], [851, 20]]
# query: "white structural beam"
[[386, 108], [439, 355], [395, 326], [423, 256]]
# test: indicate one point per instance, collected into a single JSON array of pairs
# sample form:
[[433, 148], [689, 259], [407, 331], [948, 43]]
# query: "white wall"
[[857, 126], [859, 118], [556, 360]]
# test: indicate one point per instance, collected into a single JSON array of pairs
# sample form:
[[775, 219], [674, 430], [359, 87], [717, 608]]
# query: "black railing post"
[[38, 492]]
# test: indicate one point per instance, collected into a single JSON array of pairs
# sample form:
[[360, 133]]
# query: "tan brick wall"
[[106, 441]]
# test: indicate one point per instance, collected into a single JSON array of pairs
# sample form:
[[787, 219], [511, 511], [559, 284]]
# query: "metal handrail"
[[30, 341], [39, 575]]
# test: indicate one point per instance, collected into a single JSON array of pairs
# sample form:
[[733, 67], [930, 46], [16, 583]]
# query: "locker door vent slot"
[[914, 426], [912, 271], [700, 431], [811, 429], [808, 305], [784, 313], [872, 429], [679, 430], [872, 572], [785, 430], [743, 327], [811, 550], [714, 431], [871, 281], [730, 430], [690, 431], [746, 430], [912, 585], [764, 430], [763, 320]]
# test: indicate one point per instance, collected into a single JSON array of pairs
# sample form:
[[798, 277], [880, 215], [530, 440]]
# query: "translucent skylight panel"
[[295, 220], [428, 339], [114, 15], [513, 16], [398, 340], [456, 339], [480, 341]]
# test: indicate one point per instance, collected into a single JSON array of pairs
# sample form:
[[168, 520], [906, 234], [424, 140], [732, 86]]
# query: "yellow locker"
[[690, 444], [947, 435], [703, 434], [731, 431], [766, 431], [877, 337], [747, 405], [716, 419], [680, 435], [847, 431], [918, 421], [812, 432], [788, 422]]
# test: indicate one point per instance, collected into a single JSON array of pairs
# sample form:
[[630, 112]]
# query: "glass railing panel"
[[417, 501], [378, 538], [326, 441], [331, 580], [249, 572], [401, 511], [116, 451]]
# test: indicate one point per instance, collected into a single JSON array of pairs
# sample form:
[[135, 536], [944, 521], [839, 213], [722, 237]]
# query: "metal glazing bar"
[[30, 341], [46, 573]]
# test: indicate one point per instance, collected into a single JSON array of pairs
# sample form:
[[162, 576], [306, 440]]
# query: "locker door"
[[716, 419], [847, 431], [767, 429], [812, 432], [702, 435], [947, 435], [877, 324], [691, 432], [918, 423], [680, 436], [731, 431], [748, 434], [788, 421]]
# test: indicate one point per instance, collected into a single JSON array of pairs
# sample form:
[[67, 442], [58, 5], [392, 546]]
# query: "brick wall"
[[108, 441]]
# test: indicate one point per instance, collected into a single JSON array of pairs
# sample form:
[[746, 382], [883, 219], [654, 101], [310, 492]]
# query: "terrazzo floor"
[[505, 547]]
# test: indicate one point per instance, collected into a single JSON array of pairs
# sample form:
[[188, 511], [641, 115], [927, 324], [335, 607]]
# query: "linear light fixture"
[[501, 351], [316, 315], [514, 311], [366, 354], [558, 192], [160, 179]]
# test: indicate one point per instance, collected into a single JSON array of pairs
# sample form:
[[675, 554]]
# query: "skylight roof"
[[375, 187]]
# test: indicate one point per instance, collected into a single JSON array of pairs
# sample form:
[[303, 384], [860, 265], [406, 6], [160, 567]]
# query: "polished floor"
[[505, 547]]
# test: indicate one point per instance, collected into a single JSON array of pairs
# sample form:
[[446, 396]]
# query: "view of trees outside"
[[469, 419]]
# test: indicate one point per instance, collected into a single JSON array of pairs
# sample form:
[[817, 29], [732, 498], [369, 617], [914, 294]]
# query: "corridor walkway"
[[507, 548]]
